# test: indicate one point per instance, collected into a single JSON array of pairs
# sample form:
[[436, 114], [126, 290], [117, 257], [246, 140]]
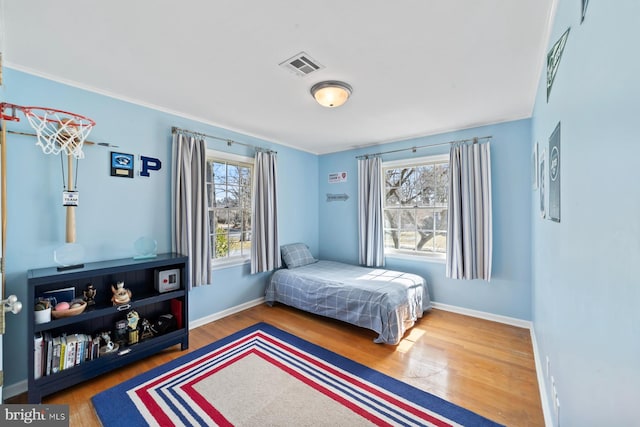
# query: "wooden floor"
[[483, 366]]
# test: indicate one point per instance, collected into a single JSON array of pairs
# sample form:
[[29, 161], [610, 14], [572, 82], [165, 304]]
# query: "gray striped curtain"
[[370, 219], [469, 240], [189, 207], [265, 250]]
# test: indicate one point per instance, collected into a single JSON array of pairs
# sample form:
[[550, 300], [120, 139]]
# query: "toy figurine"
[[121, 295], [120, 333], [89, 294], [132, 326], [146, 330], [109, 346]]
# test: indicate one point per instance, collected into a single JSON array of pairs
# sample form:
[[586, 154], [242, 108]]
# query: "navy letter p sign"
[[149, 164]]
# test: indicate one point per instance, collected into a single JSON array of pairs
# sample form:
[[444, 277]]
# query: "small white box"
[[167, 280]]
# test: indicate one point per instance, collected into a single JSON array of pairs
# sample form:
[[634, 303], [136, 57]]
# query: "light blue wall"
[[114, 212], [585, 287], [509, 291]]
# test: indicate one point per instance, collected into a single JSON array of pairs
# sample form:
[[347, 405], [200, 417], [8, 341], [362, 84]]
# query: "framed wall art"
[[534, 167], [121, 165], [554, 175], [541, 185], [553, 60]]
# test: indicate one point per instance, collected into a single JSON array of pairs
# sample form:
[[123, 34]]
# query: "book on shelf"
[[37, 355], [176, 310], [63, 353], [55, 360], [72, 344], [95, 347], [48, 343], [80, 349]]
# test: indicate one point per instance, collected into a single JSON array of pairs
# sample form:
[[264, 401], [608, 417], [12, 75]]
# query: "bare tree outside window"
[[229, 189], [415, 207]]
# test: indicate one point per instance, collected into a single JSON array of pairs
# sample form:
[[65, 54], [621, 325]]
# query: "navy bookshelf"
[[139, 277]]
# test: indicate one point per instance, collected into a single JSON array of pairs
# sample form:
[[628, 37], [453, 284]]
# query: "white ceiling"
[[417, 67]]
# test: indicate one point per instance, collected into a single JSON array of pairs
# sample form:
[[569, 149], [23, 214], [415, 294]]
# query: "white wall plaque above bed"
[[336, 177]]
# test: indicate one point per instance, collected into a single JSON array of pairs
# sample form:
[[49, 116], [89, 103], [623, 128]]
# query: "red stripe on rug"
[[203, 403], [149, 401], [329, 368], [159, 414], [345, 402], [201, 400]]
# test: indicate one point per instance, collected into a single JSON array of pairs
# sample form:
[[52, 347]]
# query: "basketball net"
[[57, 131]]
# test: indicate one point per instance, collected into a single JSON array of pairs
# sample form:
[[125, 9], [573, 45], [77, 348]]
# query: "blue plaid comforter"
[[385, 301]]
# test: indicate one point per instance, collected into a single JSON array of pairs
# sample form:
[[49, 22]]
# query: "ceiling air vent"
[[301, 64]]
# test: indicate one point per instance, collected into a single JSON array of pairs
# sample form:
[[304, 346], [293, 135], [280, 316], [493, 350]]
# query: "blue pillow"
[[296, 255]]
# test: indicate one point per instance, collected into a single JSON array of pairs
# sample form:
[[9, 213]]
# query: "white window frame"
[[220, 263], [405, 253]]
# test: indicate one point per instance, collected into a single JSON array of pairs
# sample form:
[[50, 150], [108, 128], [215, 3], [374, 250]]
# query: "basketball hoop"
[[57, 130]]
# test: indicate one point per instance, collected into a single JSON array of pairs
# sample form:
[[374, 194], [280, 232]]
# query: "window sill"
[[228, 263], [437, 259]]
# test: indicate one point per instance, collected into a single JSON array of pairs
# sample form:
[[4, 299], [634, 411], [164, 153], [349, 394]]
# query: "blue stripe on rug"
[[115, 408]]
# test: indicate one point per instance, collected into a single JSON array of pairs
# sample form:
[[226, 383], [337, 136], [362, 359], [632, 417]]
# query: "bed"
[[385, 301]]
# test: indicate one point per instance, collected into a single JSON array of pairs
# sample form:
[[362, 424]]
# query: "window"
[[229, 189], [415, 206]]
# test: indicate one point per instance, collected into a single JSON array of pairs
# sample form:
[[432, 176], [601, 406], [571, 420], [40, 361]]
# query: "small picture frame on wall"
[[534, 167], [541, 185], [554, 174], [121, 165]]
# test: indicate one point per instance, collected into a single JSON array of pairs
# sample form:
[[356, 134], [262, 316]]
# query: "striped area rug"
[[263, 376]]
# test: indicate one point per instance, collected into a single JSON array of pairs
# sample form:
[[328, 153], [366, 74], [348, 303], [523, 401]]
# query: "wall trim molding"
[[513, 321], [542, 385], [224, 313], [12, 390]]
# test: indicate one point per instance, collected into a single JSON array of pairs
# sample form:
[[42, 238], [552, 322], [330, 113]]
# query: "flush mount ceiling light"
[[331, 93]]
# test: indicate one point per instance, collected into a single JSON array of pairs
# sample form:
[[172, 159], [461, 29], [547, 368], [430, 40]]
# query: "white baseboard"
[[12, 390], [542, 385], [513, 321], [224, 313]]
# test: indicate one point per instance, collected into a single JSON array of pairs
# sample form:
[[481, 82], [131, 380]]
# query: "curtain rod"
[[229, 142], [414, 148]]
